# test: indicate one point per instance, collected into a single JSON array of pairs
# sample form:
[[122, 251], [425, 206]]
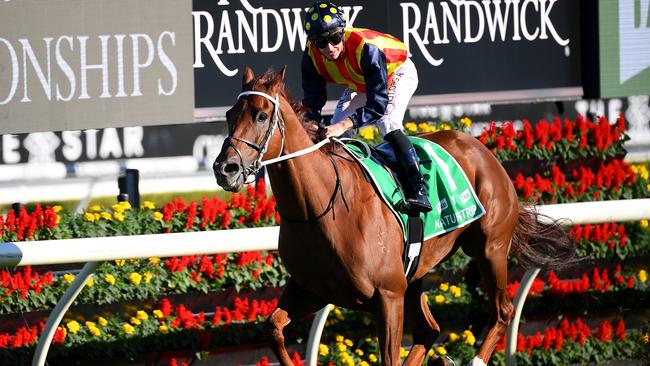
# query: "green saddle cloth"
[[451, 195]]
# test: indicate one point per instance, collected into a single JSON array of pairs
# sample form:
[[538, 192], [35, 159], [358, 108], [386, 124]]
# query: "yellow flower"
[[163, 329], [154, 260], [367, 133], [411, 126], [444, 286], [90, 325], [644, 224], [403, 352], [125, 205], [90, 282], [110, 279], [135, 278], [424, 127], [118, 216], [103, 322], [58, 219], [359, 352], [68, 277], [106, 216], [455, 291], [453, 337], [147, 277], [158, 216], [57, 208], [445, 126], [120, 262], [466, 122], [363, 363], [430, 353], [95, 331], [641, 170], [341, 347], [643, 276], [127, 328], [645, 337], [89, 216], [372, 358], [73, 326], [439, 299], [158, 314], [135, 321], [142, 315], [323, 350], [348, 343], [117, 208], [339, 338], [441, 350], [338, 314], [95, 208], [148, 204], [469, 337]]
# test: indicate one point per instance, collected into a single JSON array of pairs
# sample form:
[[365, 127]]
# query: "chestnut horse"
[[342, 244]]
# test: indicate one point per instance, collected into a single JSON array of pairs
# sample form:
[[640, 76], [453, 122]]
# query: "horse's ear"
[[248, 77], [278, 78]]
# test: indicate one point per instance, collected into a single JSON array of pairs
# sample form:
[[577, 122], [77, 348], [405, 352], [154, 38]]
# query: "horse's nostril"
[[230, 169]]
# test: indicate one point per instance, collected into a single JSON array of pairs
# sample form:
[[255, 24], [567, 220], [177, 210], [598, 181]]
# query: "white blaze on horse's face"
[[251, 126]]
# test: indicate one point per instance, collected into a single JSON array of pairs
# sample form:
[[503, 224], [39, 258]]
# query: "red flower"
[[620, 330], [604, 331], [297, 360]]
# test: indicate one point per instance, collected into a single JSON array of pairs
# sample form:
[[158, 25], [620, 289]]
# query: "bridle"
[[251, 171]]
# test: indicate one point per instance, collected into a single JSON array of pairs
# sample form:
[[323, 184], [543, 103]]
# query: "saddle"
[[452, 196]]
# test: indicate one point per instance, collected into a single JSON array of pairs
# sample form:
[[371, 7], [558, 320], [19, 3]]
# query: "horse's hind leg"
[[295, 303], [493, 263], [424, 327]]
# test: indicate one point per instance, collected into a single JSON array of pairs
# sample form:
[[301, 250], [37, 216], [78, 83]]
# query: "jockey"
[[379, 79]]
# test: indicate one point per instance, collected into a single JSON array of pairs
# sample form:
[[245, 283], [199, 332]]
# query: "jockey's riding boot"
[[416, 190]]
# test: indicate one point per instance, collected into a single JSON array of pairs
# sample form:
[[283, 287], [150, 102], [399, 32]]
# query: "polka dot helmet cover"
[[323, 17]]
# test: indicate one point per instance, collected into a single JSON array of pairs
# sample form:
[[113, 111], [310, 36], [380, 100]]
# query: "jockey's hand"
[[336, 129]]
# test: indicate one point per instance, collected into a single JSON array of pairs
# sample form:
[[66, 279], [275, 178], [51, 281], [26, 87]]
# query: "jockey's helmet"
[[324, 19]]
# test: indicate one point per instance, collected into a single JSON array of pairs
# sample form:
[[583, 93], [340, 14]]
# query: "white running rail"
[[241, 240]]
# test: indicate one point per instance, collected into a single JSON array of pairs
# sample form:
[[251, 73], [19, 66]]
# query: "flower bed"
[[564, 144]]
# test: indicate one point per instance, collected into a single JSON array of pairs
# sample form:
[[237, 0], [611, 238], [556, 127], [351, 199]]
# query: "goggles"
[[333, 39]]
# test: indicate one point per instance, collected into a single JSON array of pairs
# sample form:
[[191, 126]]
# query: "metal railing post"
[[315, 333], [59, 310], [520, 299]]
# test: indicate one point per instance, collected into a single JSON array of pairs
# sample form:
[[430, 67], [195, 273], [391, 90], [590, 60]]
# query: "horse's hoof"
[[441, 361]]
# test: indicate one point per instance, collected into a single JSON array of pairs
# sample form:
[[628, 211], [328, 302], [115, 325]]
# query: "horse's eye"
[[261, 117]]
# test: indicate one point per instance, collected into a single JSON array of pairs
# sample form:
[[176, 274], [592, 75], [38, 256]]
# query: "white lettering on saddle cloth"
[[456, 217]]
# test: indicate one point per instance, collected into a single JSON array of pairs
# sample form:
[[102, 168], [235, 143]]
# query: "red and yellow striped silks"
[[346, 70]]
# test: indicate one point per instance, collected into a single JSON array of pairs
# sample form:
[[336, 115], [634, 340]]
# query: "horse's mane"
[[298, 108]]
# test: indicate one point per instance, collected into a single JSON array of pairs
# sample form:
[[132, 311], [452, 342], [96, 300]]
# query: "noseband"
[[251, 171]]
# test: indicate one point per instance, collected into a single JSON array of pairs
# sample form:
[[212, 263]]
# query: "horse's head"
[[253, 125]]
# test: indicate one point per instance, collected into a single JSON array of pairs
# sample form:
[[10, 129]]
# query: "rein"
[[330, 206], [251, 171]]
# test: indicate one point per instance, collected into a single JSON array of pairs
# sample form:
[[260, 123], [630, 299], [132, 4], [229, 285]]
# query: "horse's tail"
[[541, 244]]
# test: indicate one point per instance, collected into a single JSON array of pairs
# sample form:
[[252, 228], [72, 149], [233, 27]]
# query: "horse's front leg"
[[390, 325], [295, 303]]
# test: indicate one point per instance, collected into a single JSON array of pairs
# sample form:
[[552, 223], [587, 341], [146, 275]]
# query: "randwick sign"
[[68, 65], [458, 46]]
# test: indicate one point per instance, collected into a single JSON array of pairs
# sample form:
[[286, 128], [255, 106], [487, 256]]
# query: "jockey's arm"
[[373, 66], [314, 89]]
